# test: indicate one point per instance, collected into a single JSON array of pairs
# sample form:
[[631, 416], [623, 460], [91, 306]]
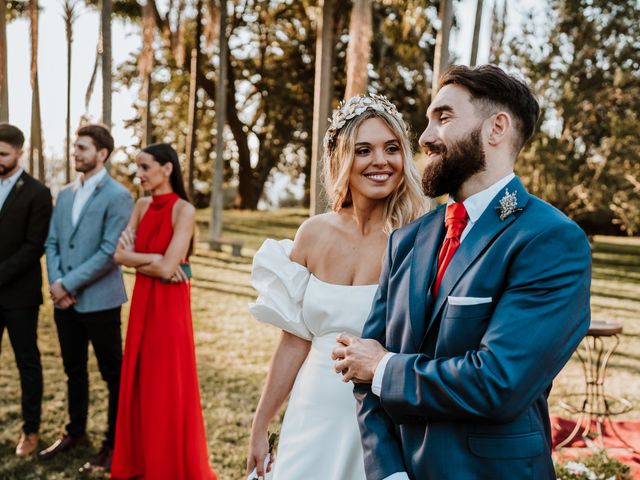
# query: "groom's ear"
[[500, 128]]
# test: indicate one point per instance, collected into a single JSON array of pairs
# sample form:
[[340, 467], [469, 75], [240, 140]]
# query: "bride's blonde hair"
[[407, 202]]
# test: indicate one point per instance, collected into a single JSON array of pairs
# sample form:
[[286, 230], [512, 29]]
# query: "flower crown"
[[353, 107]]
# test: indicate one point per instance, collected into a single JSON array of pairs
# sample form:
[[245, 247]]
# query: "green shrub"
[[598, 466]]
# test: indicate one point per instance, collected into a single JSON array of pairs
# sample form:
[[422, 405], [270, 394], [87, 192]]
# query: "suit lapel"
[[425, 249], [14, 193], [95, 193], [479, 238]]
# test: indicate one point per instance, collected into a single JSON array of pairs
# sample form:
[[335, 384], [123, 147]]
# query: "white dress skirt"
[[319, 438]]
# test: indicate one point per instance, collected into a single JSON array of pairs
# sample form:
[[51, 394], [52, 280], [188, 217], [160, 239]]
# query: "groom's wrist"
[[376, 383]]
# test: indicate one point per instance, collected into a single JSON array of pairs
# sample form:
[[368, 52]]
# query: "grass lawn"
[[233, 350]]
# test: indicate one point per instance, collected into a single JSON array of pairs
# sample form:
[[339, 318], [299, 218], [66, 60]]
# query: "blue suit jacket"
[[82, 256], [466, 396]]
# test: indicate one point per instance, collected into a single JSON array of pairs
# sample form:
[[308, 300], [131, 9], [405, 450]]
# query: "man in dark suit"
[[481, 303], [86, 285], [25, 210]]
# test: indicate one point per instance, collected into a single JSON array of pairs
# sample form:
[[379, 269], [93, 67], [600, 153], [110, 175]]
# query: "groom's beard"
[[455, 166]]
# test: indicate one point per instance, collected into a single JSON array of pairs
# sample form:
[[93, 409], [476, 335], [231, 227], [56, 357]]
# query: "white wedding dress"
[[319, 439]]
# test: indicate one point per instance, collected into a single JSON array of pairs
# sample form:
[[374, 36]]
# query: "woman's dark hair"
[[164, 153]]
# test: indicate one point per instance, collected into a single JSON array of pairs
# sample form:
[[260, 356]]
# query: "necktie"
[[455, 220]]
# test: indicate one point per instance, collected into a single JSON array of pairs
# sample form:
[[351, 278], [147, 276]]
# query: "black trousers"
[[75, 330], [22, 325]]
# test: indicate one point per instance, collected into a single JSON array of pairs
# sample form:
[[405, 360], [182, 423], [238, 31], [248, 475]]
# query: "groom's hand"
[[357, 358]]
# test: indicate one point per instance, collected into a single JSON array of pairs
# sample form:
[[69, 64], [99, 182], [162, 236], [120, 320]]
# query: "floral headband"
[[353, 107]]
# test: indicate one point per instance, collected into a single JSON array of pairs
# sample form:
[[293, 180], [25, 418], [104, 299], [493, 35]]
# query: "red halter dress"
[[160, 430]]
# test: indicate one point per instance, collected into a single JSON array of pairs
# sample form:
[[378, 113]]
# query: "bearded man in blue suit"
[[481, 303]]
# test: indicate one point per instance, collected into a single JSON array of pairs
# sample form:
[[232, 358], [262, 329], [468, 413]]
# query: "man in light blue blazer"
[[86, 285], [481, 303]]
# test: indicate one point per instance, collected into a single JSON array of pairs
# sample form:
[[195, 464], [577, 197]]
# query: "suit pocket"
[[469, 311], [507, 446], [462, 328]]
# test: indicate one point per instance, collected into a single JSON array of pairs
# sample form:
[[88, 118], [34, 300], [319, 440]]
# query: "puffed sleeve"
[[281, 284]]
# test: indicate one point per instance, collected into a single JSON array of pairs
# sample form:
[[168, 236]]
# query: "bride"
[[323, 283]]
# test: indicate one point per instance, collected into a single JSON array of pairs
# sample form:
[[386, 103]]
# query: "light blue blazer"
[[82, 256], [466, 396]]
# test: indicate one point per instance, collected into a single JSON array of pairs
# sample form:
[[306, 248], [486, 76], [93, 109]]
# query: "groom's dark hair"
[[492, 88]]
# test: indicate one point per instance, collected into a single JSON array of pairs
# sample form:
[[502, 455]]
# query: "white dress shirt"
[[475, 205], [7, 184], [84, 189]]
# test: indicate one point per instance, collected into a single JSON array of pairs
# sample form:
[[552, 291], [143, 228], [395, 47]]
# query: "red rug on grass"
[[629, 430]]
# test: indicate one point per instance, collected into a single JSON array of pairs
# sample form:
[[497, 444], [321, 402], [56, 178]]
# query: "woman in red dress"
[[160, 430]]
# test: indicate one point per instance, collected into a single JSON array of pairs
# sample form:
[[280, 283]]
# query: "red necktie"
[[455, 220]]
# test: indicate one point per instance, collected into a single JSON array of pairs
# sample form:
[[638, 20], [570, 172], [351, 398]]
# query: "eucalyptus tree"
[[359, 48], [35, 135], [476, 34], [70, 13], [4, 83], [441, 55], [107, 86]]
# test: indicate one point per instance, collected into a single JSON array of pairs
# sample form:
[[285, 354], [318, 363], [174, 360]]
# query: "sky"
[[126, 40]]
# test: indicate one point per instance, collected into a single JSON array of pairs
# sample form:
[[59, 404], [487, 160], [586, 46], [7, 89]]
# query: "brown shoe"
[[63, 444], [100, 463], [27, 444]]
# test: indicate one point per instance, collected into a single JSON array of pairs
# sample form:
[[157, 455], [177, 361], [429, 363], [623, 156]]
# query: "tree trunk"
[[192, 139], [69, 18], [359, 48], [67, 162], [441, 54], [245, 196], [498, 28], [35, 144], [4, 82], [215, 225], [92, 81], [476, 34], [106, 62], [323, 91], [145, 66]]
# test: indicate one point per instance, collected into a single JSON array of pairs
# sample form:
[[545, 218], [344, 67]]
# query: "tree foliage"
[[270, 86], [586, 72]]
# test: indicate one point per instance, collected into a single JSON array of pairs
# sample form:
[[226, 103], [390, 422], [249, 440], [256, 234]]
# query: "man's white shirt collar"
[[477, 203], [83, 192], [7, 185], [91, 183], [11, 181]]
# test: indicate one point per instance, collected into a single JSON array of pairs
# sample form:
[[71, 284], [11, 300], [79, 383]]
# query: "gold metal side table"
[[595, 407]]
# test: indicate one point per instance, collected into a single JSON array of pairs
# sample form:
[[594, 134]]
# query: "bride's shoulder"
[[314, 231], [318, 226]]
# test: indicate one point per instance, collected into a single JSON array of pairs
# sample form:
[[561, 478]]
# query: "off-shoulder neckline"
[[340, 284]]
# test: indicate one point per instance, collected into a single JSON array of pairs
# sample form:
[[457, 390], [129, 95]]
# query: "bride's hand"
[[258, 449]]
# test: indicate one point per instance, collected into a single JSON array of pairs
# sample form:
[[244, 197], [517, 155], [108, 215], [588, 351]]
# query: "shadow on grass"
[[223, 263], [199, 286], [223, 258], [65, 465]]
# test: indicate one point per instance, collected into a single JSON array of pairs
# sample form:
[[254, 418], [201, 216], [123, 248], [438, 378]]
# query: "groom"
[[481, 303]]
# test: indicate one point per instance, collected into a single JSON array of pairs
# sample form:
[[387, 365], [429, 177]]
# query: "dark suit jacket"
[[24, 222], [465, 398]]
